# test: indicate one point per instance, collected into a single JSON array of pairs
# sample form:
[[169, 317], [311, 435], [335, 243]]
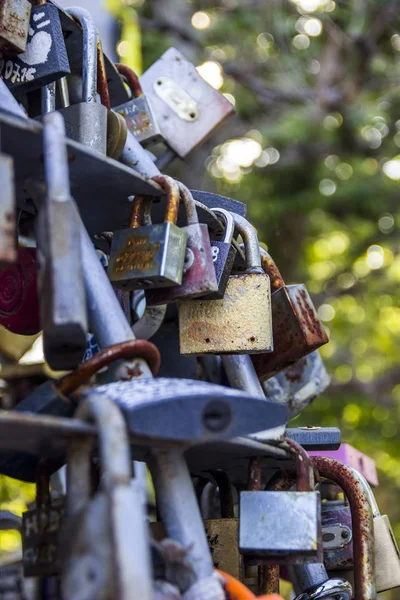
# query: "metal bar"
[[362, 523]]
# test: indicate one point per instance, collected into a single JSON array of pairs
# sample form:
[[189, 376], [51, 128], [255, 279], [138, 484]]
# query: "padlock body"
[[198, 270], [239, 323], [223, 541], [148, 256], [387, 557], [14, 25], [141, 120], [337, 537], [40, 539], [45, 58], [297, 331], [86, 123], [281, 527], [8, 237], [19, 303], [223, 255]]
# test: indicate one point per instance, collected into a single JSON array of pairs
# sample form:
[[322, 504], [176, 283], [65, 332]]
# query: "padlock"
[[45, 58], [223, 533], [239, 323], [276, 539], [138, 112], [387, 556], [19, 302], [298, 385], [14, 25], [352, 457], [13, 584], [86, 121], [311, 582], [188, 109], [8, 231], [223, 254], [104, 545], [198, 270], [337, 535], [296, 325], [41, 528], [149, 255], [62, 291]]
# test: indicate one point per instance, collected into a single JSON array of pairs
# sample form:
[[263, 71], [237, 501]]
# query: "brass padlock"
[[296, 325], [239, 323], [146, 255]]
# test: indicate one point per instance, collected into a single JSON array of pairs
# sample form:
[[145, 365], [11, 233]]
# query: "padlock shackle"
[[131, 79], [362, 523], [270, 268], [368, 492], [304, 469], [48, 97], [137, 211], [170, 186], [102, 84], [251, 244], [115, 456], [89, 54], [43, 496], [229, 224], [192, 217]]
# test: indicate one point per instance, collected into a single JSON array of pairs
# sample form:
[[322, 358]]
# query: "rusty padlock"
[[297, 329]]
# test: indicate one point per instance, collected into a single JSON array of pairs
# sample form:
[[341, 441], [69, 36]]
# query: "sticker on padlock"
[[19, 302], [138, 113], [14, 26], [40, 530], [86, 121], [188, 109], [296, 538], [198, 269], [147, 256], [239, 323], [296, 325], [45, 58], [223, 254]]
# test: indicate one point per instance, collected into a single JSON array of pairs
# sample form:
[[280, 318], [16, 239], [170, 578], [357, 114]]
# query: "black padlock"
[[45, 58]]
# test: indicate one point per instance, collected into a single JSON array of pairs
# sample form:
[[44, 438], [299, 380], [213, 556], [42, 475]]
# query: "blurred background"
[[314, 151]]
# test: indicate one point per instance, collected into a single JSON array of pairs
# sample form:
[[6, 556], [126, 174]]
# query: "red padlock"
[[19, 303]]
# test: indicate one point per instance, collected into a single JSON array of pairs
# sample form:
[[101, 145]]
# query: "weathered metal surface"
[[19, 303], [304, 471], [352, 458], [14, 25], [298, 385], [255, 471], [361, 515], [222, 537], [8, 231], [297, 330], [45, 58], [280, 527], [237, 323], [124, 350], [183, 132], [225, 493], [331, 588], [184, 409]]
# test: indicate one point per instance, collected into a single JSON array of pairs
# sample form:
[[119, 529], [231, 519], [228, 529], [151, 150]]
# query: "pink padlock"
[[19, 303], [353, 458]]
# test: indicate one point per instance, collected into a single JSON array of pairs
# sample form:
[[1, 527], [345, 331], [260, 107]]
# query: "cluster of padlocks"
[[112, 254]]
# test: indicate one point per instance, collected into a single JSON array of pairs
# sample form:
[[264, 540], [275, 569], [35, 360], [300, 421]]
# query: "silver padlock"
[[86, 121], [283, 527], [138, 112], [311, 582], [105, 543], [62, 292]]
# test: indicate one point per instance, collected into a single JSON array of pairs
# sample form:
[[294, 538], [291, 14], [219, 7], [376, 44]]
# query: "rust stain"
[[131, 79], [254, 474]]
